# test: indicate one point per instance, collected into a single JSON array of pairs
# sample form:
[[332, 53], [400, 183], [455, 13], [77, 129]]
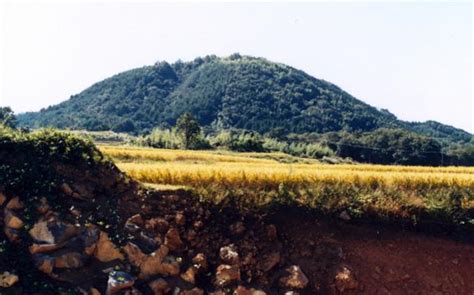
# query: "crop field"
[[409, 193]]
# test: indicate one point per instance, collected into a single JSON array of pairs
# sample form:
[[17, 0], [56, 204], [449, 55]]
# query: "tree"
[[7, 117], [189, 130]]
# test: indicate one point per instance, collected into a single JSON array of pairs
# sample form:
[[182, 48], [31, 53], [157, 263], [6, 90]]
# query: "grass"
[[408, 193]]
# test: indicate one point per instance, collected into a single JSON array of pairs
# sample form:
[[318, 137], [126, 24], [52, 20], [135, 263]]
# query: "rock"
[[12, 234], [106, 251], [3, 198], [15, 204], [237, 228], [190, 275], [229, 255], [345, 216], [94, 291], [43, 207], [69, 260], [12, 221], [194, 291], [241, 290], [53, 231], [170, 266], [345, 280], [191, 235], [180, 219], [134, 254], [44, 248], [136, 219], [90, 236], [160, 224], [44, 263], [40, 233], [198, 224], [66, 189], [159, 262], [151, 264], [296, 278], [173, 240], [271, 232], [159, 286], [119, 280], [7, 279], [270, 261], [200, 261], [227, 274]]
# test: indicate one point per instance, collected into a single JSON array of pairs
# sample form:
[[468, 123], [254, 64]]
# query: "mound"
[[235, 92], [74, 224]]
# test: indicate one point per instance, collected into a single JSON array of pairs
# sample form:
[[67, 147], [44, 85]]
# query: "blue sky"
[[413, 58]]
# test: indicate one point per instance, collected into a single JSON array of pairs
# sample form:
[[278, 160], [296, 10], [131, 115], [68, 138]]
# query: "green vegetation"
[[244, 103], [7, 117], [222, 93]]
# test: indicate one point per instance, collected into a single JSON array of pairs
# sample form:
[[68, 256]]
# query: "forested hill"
[[237, 91]]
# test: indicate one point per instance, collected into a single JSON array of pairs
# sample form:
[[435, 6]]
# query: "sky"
[[412, 58]]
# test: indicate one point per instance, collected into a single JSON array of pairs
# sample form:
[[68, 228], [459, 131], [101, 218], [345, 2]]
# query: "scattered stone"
[[173, 240], [237, 228], [190, 275], [229, 255], [159, 263], [94, 291], [53, 231], [241, 290], [43, 207], [200, 260], [12, 221], [136, 219], [134, 254], [160, 224], [44, 263], [7, 279], [66, 189], [345, 216], [191, 235], [15, 204], [180, 219], [194, 291], [12, 235], [43, 248], [296, 278], [227, 274], [345, 280], [40, 233], [159, 286], [3, 198], [69, 260], [198, 224], [270, 261], [106, 251], [271, 232], [119, 280]]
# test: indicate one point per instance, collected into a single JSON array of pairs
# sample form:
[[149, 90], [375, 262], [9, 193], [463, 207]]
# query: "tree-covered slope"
[[237, 91]]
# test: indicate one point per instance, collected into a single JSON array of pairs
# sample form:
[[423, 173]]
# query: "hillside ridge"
[[240, 92]]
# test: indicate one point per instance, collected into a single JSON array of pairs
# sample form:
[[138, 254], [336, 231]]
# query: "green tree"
[[189, 130], [7, 117]]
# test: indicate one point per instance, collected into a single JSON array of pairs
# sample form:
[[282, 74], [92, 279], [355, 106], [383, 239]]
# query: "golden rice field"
[[257, 179]]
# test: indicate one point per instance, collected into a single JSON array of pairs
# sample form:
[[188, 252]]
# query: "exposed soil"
[[384, 261], [101, 233]]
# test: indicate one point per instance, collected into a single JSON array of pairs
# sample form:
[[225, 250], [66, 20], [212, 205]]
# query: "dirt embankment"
[[94, 231]]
